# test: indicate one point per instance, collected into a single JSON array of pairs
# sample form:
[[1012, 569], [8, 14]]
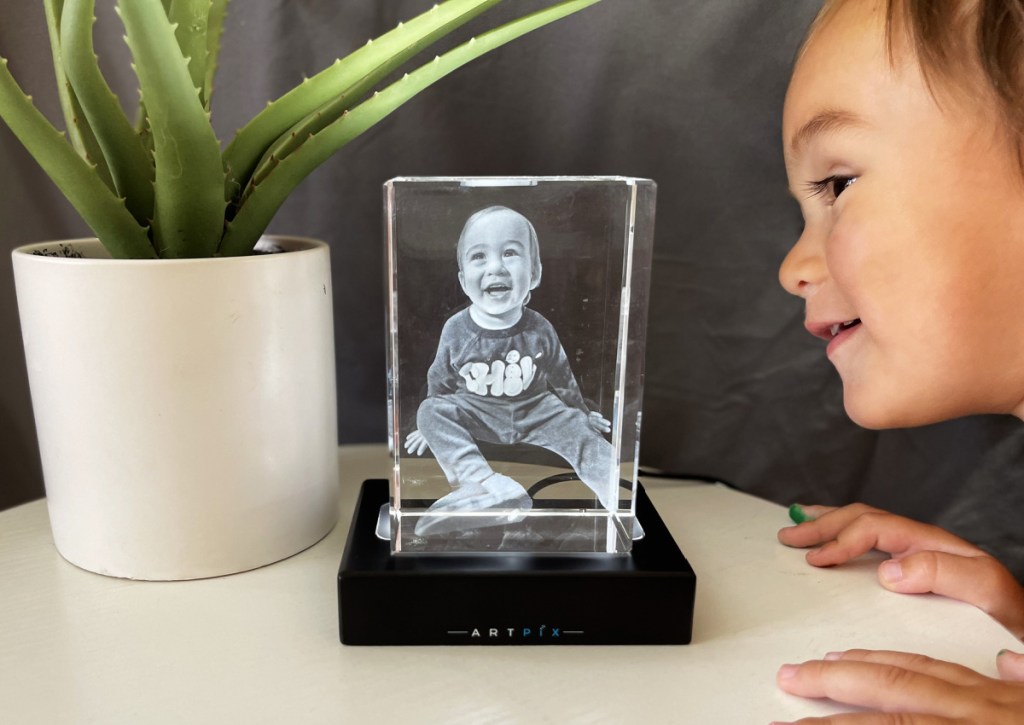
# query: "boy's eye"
[[476, 256], [511, 253], [831, 186]]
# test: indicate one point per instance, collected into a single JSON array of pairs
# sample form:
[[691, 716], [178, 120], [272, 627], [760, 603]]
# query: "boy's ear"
[[462, 283], [536, 282]]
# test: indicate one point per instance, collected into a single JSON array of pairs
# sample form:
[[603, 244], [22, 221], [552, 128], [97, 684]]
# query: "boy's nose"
[[495, 264], [804, 268]]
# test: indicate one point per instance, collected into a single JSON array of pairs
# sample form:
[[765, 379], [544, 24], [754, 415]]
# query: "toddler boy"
[[500, 375]]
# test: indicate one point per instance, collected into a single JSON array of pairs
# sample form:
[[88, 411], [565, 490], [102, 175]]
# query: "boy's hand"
[[924, 558], [920, 689], [416, 444], [598, 422]]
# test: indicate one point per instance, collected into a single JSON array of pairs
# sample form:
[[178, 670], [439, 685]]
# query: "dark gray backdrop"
[[687, 92]]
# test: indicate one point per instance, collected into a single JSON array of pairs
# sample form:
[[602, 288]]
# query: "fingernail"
[[832, 656], [798, 515], [891, 571], [787, 671]]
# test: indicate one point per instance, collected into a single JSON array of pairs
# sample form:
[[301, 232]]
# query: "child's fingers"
[[873, 685], [823, 524], [891, 534], [926, 559], [870, 718], [855, 529], [979, 580], [949, 671], [801, 513], [1011, 666], [415, 443]]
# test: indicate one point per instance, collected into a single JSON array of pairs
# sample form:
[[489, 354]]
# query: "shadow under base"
[[644, 597]]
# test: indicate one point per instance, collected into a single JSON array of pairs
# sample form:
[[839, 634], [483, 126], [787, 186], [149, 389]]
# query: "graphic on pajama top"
[[510, 376], [500, 375]]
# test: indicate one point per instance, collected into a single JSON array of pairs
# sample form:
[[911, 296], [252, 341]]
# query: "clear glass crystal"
[[517, 313]]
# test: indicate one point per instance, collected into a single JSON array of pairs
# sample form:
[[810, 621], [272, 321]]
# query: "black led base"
[[645, 597]]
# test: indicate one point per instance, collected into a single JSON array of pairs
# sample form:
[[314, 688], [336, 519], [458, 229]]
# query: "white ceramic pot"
[[185, 409]]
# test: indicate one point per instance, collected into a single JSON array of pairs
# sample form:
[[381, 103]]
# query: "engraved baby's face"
[[495, 263]]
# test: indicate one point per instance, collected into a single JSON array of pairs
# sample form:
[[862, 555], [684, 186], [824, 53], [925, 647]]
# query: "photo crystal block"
[[517, 314]]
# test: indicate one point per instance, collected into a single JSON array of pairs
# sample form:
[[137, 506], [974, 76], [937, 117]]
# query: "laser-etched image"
[[517, 309]]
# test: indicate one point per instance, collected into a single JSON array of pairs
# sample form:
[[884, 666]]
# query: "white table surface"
[[262, 647]]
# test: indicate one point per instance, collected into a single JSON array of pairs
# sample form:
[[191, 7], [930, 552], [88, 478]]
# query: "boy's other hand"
[[918, 688], [924, 558], [598, 422], [416, 444]]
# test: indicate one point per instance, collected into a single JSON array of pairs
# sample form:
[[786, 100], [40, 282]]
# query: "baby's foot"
[[465, 496], [497, 501], [509, 493]]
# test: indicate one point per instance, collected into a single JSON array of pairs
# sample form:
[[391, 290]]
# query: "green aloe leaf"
[[189, 206], [75, 177], [263, 200], [130, 163], [78, 130], [190, 18], [349, 77], [214, 30]]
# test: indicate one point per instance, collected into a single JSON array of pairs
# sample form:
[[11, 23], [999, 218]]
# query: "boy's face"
[[915, 234], [496, 265]]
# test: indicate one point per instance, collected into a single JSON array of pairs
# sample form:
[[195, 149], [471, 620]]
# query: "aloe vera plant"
[[163, 187]]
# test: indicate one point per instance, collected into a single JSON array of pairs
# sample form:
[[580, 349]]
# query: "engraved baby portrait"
[[500, 375]]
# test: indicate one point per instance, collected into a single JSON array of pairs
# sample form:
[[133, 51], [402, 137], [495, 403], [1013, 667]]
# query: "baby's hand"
[[920, 689], [598, 422], [924, 558], [416, 444]]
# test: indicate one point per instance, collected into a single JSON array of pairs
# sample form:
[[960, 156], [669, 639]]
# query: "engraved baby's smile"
[[498, 288]]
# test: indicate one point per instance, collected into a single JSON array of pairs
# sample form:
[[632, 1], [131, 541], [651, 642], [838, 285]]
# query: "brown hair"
[[961, 43]]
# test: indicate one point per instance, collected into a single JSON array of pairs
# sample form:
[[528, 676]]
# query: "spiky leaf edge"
[[131, 165], [214, 31], [191, 19], [265, 199], [189, 207], [79, 133], [349, 77], [76, 178]]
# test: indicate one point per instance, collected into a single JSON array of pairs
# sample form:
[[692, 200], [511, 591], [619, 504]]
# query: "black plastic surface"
[[645, 597]]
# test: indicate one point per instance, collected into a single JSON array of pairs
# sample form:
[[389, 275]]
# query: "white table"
[[262, 647]]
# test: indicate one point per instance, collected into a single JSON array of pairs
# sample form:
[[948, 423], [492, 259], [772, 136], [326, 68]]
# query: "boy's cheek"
[[847, 248]]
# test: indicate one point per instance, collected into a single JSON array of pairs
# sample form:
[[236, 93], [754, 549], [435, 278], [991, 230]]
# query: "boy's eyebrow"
[[474, 245], [827, 121]]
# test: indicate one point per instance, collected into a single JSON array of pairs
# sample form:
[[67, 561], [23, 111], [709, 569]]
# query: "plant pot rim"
[[291, 244]]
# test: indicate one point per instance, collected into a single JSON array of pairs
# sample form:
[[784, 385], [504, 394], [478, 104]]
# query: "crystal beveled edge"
[[515, 180]]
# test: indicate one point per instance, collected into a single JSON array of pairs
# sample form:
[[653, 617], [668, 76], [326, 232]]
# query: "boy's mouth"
[[498, 288], [830, 330], [840, 326]]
